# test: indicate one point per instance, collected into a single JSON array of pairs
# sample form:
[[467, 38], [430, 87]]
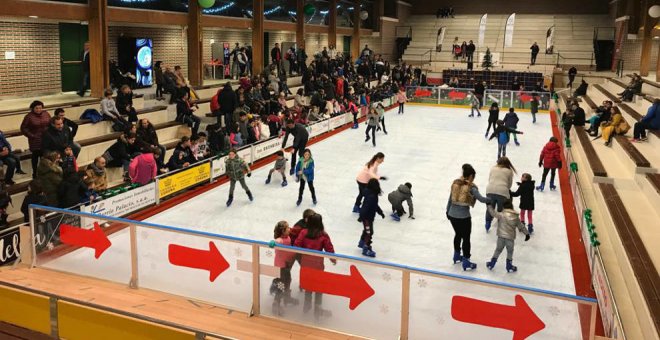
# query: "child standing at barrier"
[[280, 166], [305, 174], [507, 223], [526, 193], [236, 169], [281, 287]]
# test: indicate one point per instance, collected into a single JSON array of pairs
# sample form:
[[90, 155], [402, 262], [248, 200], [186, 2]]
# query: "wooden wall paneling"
[[44, 9], [142, 16], [271, 25], [300, 23], [195, 75], [332, 24], [228, 22], [99, 69], [257, 36]]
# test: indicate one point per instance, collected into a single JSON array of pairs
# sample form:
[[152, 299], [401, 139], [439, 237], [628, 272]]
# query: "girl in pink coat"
[[284, 260], [143, 168], [369, 171], [401, 99]]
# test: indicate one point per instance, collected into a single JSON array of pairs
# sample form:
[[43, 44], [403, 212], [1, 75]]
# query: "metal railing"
[[402, 297], [403, 32]]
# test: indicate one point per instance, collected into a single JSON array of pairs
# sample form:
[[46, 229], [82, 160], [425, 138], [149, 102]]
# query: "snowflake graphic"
[[554, 310], [281, 286], [384, 309], [422, 283], [387, 277], [238, 252], [237, 281], [269, 253], [440, 320]]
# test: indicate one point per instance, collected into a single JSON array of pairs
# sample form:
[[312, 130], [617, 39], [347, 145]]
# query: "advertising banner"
[[482, 29], [245, 154], [440, 38], [184, 179], [122, 204], [319, 127], [336, 122], [508, 32], [550, 40], [9, 246], [266, 148], [219, 167], [604, 299]]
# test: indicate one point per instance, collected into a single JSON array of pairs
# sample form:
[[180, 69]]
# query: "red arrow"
[[520, 319], [454, 95], [210, 260], [525, 98], [79, 237], [352, 286], [422, 93]]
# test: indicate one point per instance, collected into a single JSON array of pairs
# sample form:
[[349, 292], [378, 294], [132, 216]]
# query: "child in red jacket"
[[550, 160]]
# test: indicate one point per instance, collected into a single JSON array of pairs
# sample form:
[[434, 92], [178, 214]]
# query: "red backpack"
[[215, 106]]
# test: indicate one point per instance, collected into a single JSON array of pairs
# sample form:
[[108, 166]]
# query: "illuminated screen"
[[144, 55]]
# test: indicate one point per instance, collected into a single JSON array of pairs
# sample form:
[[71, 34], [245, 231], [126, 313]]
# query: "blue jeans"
[[13, 163]]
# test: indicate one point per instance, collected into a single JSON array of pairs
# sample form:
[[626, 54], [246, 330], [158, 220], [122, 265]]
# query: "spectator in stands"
[[125, 103], [182, 156], [581, 90], [84, 65], [181, 82], [228, 103], [160, 79], [464, 48], [470, 51], [147, 140], [535, 51], [121, 152], [276, 57], [110, 112], [73, 128], [634, 88], [33, 126], [185, 113], [578, 115], [72, 190], [234, 61], [35, 195], [200, 147], [144, 167], [50, 176], [366, 52], [572, 72], [601, 115], [169, 84], [616, 125], [96, 171], [56, 137], [651, 121], [7, 157]]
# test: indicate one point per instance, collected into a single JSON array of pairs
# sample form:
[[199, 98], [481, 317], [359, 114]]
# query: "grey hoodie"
[[399, 195], [507, 222]]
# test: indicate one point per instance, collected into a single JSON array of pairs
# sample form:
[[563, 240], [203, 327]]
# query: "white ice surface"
[[426, 146]]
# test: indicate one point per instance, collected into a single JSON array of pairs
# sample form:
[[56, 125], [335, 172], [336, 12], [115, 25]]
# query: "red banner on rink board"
[[455, 95], [352, 286]]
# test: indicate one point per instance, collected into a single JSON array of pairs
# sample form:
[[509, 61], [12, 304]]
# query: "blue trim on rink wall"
[[324, 254]]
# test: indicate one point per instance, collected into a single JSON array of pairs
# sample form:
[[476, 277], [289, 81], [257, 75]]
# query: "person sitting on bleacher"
[[182, 156], [634, 88], [581, 90], [72, 127], [56, 137], [49, 174], [185, 113], [7, 157], [651, 121], [578, 115], [110, 112], [601, 115], [96, 171], [121, 152], [147, 140], [170, 84], [125, 103], [616, 125]]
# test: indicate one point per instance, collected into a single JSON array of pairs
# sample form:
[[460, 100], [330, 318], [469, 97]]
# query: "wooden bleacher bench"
[[655, 181], [590, 102], [645, 272], [565, 97], [592, 157], [64, 105], [637, 117], [633, 153], [618, 82], [607, 94], [646, 81]]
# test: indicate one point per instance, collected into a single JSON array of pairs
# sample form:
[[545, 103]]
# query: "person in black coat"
[[228, 103], [300, 137], [147, 140], [578, 115], [479, 90], [526, 193], [84, 65], [276, 57], [56, 137], [71, 189], [182, 155], [368, 212], [581, 90], [535, 52], [572, 72], [470, 51], [124, 103], [121, 152], [493, 117], [73, 129], [185, 113]]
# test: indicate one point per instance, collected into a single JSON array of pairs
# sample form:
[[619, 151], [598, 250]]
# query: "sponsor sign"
[[336, 122], [9, 246], [245, 154], [266, 148], [219, 167], [124, 203], [184, 179], [319, 127]]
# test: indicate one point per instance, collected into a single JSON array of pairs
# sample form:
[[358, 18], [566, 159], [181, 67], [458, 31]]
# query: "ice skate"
[[517, 144], [552, 186], [277, 309], [491, 264], [488, 224], [321, 313], [457, 257], [268, 180], [314, 201], [361, 244], [250, 197], [510, 268], [468, 265], [530, 228], [541, 187], [368, 252], [285, 183], [298, 202], [230, 199], [395, 217]]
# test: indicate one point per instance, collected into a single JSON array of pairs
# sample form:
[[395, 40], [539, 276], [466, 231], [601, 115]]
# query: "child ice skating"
[[380, 109], [502, 133], [281, 287], [526, 193], [507, 223], [476, 105], [369, 171], [401, 99], [550, 160], [511, 121], [305, 174], [236, 170], [534, 106], [397, 197], [280, 166], [493, 117], [368, 213], [372, 124]]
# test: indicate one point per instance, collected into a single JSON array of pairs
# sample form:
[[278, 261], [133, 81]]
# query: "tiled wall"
[[36, 68], [631, 52], [170, 44], [243, 37]]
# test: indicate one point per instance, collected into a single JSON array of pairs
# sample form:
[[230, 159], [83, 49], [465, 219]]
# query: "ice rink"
[[425, 146]]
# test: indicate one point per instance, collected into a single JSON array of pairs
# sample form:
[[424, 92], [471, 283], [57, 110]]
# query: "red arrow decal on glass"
[[94, 238], [454, 95], [352, 286], [422, 93], [210, 260], [525, 98], [520, 319]]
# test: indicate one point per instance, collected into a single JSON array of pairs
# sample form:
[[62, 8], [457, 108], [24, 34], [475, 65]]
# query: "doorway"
[[347, 45], [72, 41]]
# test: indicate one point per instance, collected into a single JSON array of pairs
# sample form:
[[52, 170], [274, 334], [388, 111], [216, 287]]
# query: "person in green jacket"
[[236, 169]]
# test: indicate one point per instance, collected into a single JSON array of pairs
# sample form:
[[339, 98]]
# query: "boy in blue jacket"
[[502, 133], [649, 122], [305, 174], [511, 121], [368, 212]]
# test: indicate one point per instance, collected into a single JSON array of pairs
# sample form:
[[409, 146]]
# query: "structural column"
[[355, 40], [258, 36], [332, 24], [647, 42], [99, 69], [300, 23], [195, 72]]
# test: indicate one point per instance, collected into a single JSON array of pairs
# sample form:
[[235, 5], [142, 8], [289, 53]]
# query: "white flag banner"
[[550, 40], [440, 38], [508, 32], [482, 29]]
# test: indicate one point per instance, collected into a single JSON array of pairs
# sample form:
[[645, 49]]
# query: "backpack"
[[215, 105], [93, 115]]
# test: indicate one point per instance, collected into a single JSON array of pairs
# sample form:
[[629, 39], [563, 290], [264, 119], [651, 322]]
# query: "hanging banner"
[[550, 40], [508, 32], [482, 29], [440, 39]]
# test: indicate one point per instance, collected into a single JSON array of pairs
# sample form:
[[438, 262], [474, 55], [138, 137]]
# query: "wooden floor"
[[162, 306]]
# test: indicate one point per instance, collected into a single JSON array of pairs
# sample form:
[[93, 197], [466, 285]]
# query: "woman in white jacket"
[[499, 186]]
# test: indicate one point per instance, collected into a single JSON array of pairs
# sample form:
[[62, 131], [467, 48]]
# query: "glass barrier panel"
[[197, 267], [427, 95], [354, 298], [452, 96], [65, 243], [448, 308]]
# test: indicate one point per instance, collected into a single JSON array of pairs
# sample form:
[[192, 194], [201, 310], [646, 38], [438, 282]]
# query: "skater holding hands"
[[511, 121], [507, 224], [368, 213], [236, 170], [397, 197], [550, 160], [493, 117], [300, 137], [369, 171], [526, 193], [502, 133]]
